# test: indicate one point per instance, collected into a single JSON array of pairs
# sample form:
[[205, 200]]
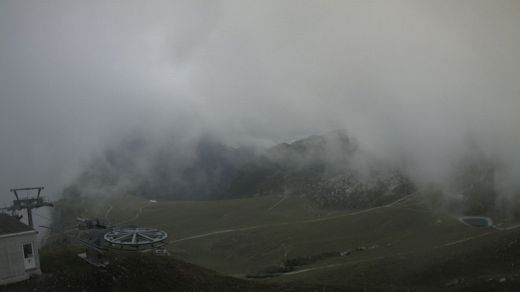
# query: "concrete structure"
[[18, 250]]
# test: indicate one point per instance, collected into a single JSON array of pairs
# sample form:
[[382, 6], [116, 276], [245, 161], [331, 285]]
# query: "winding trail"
[[285, 251], [277, 203], [137, 215], [306, 221], [405, 198], [108, 211], [506, 228], [329, 266], [448, 244]]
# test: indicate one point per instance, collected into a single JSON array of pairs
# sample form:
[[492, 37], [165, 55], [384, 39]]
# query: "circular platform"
[[135, 238]]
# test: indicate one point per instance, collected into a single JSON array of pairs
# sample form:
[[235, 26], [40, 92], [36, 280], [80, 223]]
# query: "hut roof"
[[10, 224]]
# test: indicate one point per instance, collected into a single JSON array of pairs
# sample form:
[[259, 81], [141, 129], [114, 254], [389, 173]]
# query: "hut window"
[[27, 250]]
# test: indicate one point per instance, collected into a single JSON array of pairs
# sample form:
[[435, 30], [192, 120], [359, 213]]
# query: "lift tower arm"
[[28, 203]]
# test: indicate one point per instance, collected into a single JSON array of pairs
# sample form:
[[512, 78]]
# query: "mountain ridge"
[[331, 169]]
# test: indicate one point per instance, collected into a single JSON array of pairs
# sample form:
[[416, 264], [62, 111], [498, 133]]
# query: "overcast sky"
[[405, 77]]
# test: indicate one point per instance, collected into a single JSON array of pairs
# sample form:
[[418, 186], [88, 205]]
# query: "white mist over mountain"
[[409, 79]]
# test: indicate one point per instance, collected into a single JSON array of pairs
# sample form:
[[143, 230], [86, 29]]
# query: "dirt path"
[[285, 251], [394, 204], [506, 228], [405, 198], [445, 245], [277, 203], [306, 221], [137, 215], [108, 211]]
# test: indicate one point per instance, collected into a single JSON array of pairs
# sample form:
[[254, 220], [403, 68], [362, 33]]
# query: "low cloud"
[[410, 80]]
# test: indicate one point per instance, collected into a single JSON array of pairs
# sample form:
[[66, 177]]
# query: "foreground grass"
[[63, 270], [395, 247]]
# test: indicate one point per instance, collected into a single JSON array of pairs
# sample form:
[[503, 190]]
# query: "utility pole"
[[28, 203]]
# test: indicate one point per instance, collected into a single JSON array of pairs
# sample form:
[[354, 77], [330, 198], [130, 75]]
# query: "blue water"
[[477, 221]]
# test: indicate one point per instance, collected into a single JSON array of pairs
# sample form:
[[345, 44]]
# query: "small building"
[[18, 250]]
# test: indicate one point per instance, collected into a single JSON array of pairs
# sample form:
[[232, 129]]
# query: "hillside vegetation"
[[320, 210], [63, 270], [331, 170], [286, 239]]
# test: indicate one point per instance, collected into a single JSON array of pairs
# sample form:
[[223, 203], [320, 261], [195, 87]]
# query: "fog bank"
[[411, 80]]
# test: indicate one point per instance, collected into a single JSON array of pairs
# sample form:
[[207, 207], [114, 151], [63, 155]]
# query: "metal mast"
[[28, 203]]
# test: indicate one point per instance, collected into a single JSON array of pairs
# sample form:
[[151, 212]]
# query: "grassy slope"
[[65, 271], [408, 240], [293, 230], [490, 263]]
